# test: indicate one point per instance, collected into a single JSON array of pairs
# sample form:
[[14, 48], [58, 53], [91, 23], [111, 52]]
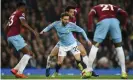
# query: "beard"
[[64, 24]]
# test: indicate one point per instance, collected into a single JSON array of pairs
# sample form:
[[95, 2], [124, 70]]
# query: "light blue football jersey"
[[65, 34]]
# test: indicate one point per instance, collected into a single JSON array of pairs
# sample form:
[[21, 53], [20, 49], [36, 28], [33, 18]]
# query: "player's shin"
[[85, 60], [48, 67], [17, 66], [57, 67], [79, 64], [92, 57], [23, 62], [78, 60], [121, 57]]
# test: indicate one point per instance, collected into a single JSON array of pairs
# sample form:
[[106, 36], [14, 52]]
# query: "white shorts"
[[72, 48]]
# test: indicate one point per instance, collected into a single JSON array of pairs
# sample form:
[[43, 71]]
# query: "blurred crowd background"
[[40, 13]]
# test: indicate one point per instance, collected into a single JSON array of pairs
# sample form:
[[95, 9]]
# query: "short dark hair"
[[19, 4], [64, 14], [68, 8]]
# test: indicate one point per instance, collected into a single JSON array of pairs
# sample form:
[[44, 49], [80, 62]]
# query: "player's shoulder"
[[96, 6], [71, 23], [17, 12], [56, 22]]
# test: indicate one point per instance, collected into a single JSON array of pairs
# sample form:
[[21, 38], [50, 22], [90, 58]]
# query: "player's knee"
[[59, 62], [30, 53], [82, 50], [96, 43], [83, 54], [119, 44], [77, 57]]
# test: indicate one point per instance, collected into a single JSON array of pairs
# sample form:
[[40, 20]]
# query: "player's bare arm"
[[24, 23], [6, 28]]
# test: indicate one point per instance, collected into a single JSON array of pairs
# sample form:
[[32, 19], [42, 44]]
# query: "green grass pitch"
[[66, 77]]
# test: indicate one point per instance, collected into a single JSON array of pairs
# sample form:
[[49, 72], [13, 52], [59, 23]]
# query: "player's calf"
[[78, 60]]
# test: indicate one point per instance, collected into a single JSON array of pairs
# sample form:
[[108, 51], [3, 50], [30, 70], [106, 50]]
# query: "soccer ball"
[[86, 74]]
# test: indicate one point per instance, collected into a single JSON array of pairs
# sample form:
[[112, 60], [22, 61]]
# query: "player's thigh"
[[17, 41], [82, 49], [61, 55], [76, 52], [115, 31], [102, 28], [55, 50]]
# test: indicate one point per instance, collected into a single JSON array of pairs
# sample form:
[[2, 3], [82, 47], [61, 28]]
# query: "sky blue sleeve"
[[76, 28], [50, 26]]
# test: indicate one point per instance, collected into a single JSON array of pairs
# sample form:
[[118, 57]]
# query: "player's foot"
[[55, 74], [21, 76], [14, 71], [124, 75], [47, 72], [80, 67], [86, 74], [94, 74]]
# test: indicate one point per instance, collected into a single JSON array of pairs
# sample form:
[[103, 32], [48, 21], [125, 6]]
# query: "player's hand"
[[36, 34], [89, 43], [41, 32]]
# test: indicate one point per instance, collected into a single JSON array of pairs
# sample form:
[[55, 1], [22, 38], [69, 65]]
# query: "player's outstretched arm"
[[49, 27], [78, 29], [6, 28], [125, 15], [24, 23], [86, 38], [90, 19]]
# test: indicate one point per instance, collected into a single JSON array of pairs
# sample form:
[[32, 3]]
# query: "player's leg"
[[75, 51], [115, 33], [53, 53], [121, 57], [20, 45], [85, 57], [59, 63], [99, 35], [24, 60], [61, 55]]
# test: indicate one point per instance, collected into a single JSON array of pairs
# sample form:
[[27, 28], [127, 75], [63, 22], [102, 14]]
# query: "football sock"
[[48, 62], [92, 57], [121, 57], [85, 60], [17, 66], [23, 62], [57, 67], [79, 65]]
